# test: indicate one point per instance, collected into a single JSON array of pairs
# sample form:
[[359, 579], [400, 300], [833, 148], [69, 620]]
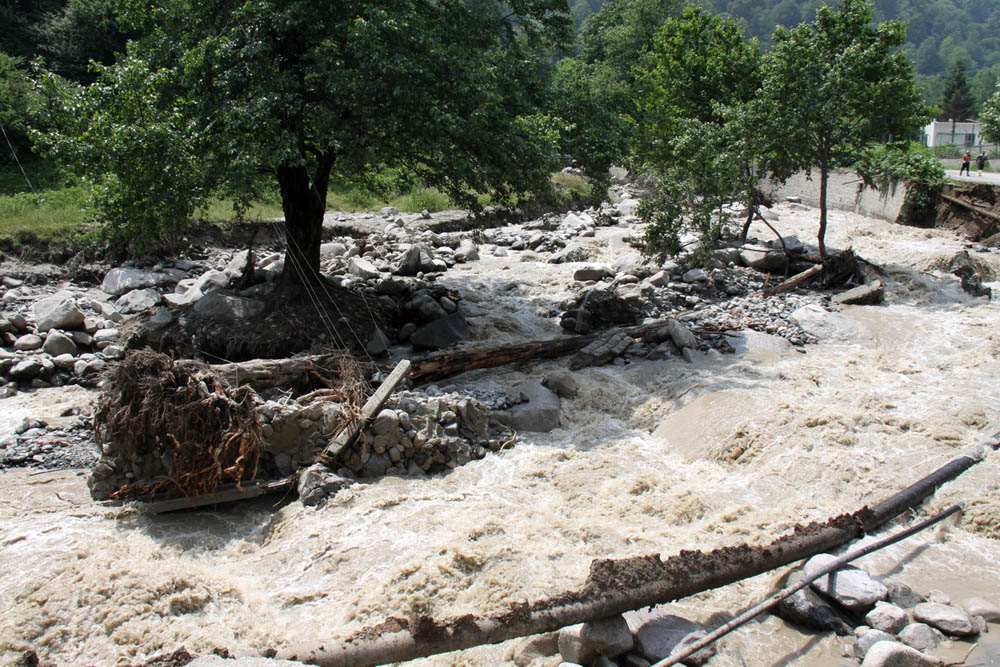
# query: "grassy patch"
[[221, 210], [577, 186], [51, 215]]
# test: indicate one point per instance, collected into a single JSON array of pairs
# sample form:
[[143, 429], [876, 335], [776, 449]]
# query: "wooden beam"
[[226, 494], [794, 280], [342, 440]]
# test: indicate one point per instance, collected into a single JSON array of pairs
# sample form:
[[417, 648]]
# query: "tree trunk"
[[303, 200], [824, 178]]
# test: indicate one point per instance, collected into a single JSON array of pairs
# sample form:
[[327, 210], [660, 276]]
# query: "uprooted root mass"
[[205, 432]]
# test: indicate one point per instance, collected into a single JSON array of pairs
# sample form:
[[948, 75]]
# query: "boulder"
[[862, 295], [56, 313], [902, 595], [894, 654], [946, 618], [850, 586], [379, 344], [57, 343], [583, 642], [920, 636], [563, 383], [681, 335], [28, 343], [219, 306], [869, 639], [331, 250], [980, 607], [540, 414], [593, 272], [695, 276], [416, 259], [441, 333], [316, 484], [806, 608], [763, 258], [138, 301], [887, 617], [828, 326], [122, 280], [467, 251], [362, 268], [658, 634], [27, 369]]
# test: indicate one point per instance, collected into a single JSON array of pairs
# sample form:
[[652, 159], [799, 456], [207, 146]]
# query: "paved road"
[[992, 178]]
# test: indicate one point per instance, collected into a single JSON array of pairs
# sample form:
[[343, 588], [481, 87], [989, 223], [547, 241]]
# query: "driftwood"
[[775, 599], [342, 440], [794, 280], [617, 586], [266, 373]]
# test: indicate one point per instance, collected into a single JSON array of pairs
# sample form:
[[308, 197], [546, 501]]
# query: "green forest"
[[939, 33]]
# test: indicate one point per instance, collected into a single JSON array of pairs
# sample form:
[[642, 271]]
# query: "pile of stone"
[[36, 444], [58, 340], [900, 628]]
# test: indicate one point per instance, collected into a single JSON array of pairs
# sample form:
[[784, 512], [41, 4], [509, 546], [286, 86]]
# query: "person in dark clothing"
[[981, 162], [966, 161]]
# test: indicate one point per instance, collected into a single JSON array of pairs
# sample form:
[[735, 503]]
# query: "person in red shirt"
[[966, 160]]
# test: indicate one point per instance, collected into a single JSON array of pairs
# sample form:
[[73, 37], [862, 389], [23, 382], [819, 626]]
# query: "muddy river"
[[652, 457]]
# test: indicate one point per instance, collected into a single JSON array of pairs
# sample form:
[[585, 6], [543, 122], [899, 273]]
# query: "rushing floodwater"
[[652, 457]]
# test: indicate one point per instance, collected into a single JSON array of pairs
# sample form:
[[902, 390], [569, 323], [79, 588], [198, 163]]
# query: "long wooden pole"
[[616, 586]]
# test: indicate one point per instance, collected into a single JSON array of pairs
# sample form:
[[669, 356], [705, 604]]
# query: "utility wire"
[[14, 154]]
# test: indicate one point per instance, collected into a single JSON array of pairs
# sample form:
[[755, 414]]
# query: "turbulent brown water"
[[651, 457]]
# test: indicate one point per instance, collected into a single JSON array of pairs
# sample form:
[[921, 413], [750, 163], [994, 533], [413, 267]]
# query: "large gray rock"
[[869, 639], [138, 301], [27, 369], [441, 333], [763, 258], [829, 326], [850, 586], [416, 259], [980, 607], [894, 654], [28, 343], [362, 268], [806, 608], [681, 335], [316, 484], [920, 636], [122, 280], [57, 313], [593, 272], [659, 634], [946, 618], [57, 343], [887, 617], [332, 250], [540, 414], [467, 251], [223, 307], [583, 642]]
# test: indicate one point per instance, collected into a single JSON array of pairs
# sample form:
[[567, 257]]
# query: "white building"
[[965, 134]]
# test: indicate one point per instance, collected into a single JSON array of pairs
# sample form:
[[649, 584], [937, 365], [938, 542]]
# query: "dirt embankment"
[[973, 210]]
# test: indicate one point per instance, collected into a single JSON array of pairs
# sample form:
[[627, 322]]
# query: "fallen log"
[[794, 280], [616, 586], [328, 457], [266, 373]]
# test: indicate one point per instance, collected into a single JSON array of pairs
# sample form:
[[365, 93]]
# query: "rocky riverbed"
[[744, 416]]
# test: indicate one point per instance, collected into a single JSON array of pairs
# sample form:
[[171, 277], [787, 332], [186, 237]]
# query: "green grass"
[[221, 210], [50, 215], [576, 185]]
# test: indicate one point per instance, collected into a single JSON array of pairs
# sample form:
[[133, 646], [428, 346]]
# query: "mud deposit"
[[651, 457]]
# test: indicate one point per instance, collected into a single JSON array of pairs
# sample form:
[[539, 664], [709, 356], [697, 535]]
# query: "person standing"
[[966, 161], [981, 162]]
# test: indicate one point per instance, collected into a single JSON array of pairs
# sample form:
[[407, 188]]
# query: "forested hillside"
[[939, 33]]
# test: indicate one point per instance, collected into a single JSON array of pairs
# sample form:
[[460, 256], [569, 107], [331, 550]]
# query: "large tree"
[[695, 116], [835, 85], [218, 93], [990, 117], [956, 100]]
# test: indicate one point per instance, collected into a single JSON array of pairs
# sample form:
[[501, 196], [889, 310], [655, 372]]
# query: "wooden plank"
[[371, 408], [794, 280], [227, 494]]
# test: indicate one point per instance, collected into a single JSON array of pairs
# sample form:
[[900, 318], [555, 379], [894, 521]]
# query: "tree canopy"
[[835, 85], [956, 101], [216, 93]]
